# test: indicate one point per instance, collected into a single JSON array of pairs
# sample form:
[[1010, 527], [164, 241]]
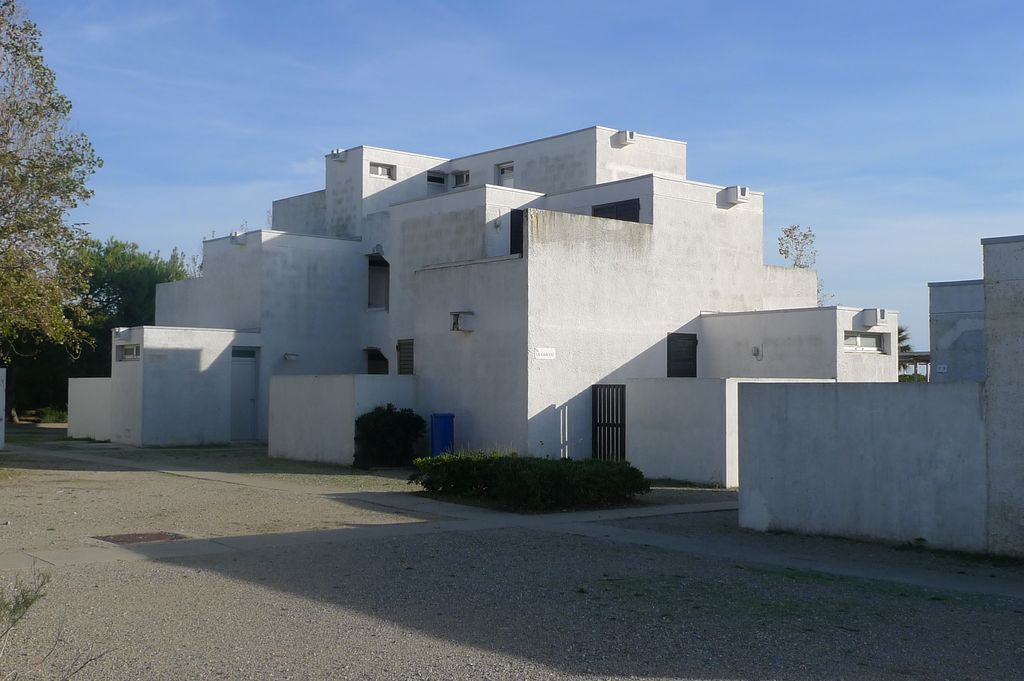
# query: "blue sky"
[[894, 130]]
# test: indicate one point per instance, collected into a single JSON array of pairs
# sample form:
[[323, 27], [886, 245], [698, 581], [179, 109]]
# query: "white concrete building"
[[508, 283]]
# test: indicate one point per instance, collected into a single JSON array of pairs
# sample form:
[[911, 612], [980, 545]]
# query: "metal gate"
[[609, 423]]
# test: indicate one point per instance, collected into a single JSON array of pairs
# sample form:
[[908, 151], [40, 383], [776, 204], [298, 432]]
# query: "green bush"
[[53, 415], [529, 483], [385, 437]]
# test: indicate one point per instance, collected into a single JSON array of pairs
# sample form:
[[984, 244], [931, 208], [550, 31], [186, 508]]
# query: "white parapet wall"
[[898, 462], [312, 418], [688, 428], [679, 428], [89, 408]]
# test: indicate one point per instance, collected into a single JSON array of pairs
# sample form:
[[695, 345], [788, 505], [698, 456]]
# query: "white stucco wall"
[[1004, 390], [604, 294], [186, 385], [894, 461], [480, 376], [677, 428], [304, 214], [89, 408], [802, 343], [305, 295], [956, 328], [790, 344], [312, 418], [126, 396], [227, 296]]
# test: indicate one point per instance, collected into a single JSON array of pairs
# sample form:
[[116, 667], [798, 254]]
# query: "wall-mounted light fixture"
[[291, 356]]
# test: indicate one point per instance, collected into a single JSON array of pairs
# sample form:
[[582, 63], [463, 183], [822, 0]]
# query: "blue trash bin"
[[442, 433]]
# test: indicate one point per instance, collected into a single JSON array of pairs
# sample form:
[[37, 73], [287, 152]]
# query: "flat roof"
[[1002, 240], [510, 146]]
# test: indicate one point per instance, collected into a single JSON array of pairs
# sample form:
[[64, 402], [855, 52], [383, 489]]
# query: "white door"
[[243, 393]]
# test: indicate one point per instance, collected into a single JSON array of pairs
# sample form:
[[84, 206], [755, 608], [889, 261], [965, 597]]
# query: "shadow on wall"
[[565, 430]]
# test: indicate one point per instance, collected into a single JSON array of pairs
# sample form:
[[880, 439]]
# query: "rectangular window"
[[515, 232], [405, 356], [628, 211], [461, 178], [378, 282], [682, 355], [247, 353], [128, 353], [436, 178], [864, 342], [382, 170], [505, 175]]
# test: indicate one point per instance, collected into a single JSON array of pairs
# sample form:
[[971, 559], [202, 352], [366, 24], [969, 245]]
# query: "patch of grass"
[[982, 559], [671, 483], [53, 415], [673, 596]]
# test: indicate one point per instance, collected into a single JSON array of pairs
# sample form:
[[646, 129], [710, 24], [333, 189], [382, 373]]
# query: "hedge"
[[524, 483], [386, 435]]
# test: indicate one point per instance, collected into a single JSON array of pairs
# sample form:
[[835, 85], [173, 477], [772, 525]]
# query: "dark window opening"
[[515, 232], [376, 362], [405, 356], [619, 210], [682, 355], [378, 282], [239, 351]]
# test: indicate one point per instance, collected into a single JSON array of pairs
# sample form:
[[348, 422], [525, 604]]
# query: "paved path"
[[459, 518]]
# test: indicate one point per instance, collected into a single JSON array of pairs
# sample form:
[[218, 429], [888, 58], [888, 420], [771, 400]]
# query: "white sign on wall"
[[544, 353]]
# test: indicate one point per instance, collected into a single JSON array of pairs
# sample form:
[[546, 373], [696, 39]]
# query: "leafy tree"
[[121, 292], [903, 339], [43, 170], [797, 246]]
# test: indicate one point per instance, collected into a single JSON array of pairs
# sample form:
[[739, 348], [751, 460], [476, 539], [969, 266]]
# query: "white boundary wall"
[[687, 428], [899, 462], [89, 408], [678, 428], [312, 418]]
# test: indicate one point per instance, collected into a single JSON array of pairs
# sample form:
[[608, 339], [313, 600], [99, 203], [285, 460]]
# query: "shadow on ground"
[[588, 607]]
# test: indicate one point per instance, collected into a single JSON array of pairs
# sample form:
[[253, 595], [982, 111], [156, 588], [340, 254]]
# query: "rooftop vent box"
[[626, 137], [876, 316], [736, 195]]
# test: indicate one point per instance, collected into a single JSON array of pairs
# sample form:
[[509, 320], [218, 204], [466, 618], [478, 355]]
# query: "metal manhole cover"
[[140, 537]]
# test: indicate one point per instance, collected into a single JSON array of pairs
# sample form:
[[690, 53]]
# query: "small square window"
[[461, 178], [127, 353], [382, 170]]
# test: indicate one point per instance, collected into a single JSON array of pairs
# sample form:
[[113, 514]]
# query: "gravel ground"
[[723, 528], [510, 604], [54, 504]]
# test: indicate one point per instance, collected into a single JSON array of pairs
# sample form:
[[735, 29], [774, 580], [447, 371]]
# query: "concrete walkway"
[[460, 518]]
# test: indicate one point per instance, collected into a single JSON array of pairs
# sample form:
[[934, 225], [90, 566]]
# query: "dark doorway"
[[682, 355], [376, 362], [608, 437]]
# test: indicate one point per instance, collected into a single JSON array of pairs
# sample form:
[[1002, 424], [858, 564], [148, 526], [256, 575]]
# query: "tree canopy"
[[121, 291], [43, 171]]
